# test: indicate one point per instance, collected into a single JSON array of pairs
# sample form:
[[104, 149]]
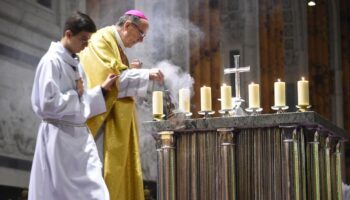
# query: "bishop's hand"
[[109, 82], [136, 64], [156, 75]]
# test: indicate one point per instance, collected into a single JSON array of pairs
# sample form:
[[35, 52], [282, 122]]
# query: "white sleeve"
[[133, 82], [47, 99], [94, 103], [93, 100]]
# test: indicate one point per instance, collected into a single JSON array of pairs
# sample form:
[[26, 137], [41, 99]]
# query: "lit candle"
[[303, 92], [205, 98], [226, 97], [254, 95], [280, 93], [184, 100], [157, 104]]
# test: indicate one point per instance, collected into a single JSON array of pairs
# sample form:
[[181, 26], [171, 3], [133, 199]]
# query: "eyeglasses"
[[142, 34], [84, 40]]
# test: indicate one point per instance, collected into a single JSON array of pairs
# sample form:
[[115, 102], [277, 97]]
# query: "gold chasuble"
[[122, 167]]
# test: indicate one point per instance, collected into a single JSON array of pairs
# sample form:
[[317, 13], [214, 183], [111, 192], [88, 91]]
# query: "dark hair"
[[134, 19], [79, 22]]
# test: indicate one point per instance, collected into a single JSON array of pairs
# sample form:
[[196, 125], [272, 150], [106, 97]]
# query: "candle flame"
[[279, 80], [302, 78], [224, 84], [252, 82]]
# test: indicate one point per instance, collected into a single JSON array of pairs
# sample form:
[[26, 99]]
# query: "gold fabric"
[[122, 167]]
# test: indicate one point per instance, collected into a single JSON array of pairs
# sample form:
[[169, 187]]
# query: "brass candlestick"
[[158, 117], [303, 108]]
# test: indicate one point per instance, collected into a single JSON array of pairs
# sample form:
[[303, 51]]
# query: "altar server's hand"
[[109, 82], [156, 75], [136, 64], [80, 87]]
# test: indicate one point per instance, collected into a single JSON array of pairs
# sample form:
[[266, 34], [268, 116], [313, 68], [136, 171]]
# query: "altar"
[[296, 155]]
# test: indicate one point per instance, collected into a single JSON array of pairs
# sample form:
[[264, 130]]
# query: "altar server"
[[66, 164]]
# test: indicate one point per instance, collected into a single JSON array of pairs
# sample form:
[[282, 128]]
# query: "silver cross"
[[237, 99], [237, 70]]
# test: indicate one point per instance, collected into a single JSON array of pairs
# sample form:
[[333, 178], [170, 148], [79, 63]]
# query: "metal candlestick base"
[[279, 109], [303, 108], [206, 114], [254, 111], [158, 117], [187, 114], [238, 110], [226, 112]]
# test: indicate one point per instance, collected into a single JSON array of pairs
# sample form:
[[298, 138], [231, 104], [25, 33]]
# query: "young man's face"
[[79, 41]]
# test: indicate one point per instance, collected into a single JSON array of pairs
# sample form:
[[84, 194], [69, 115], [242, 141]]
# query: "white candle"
[[226, 97], [280, 93], [184, 100], [205, 98], [254, 95], [157, 102], [303, 92]]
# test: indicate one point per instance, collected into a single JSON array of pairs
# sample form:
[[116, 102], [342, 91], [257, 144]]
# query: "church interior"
[[278, 39]]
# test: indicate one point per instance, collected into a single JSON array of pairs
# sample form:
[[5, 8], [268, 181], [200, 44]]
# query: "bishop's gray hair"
[[134, 19]]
